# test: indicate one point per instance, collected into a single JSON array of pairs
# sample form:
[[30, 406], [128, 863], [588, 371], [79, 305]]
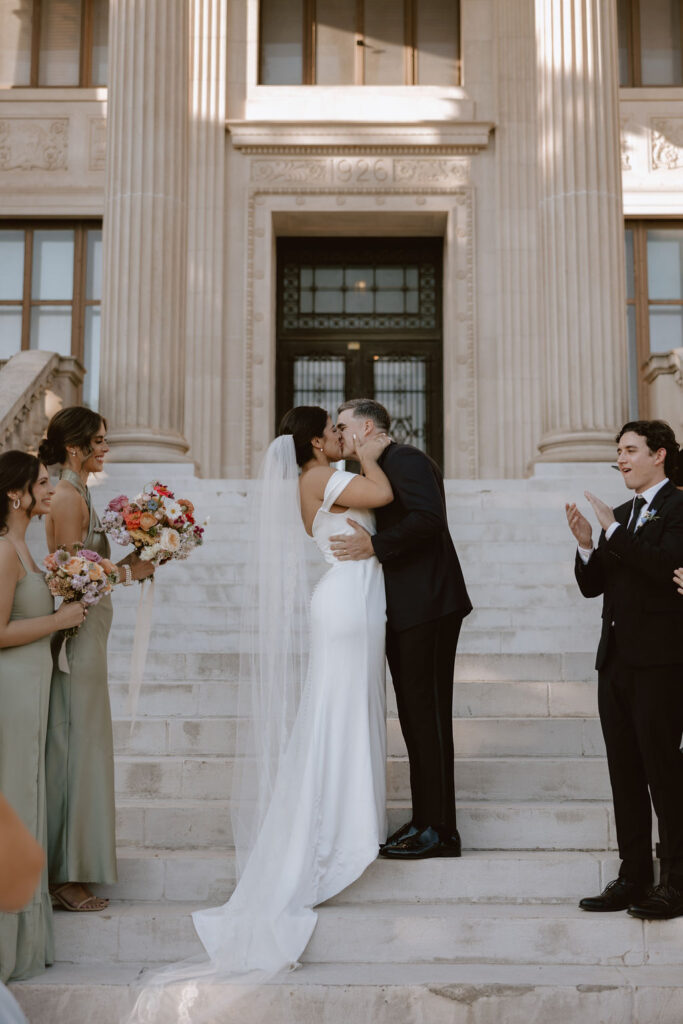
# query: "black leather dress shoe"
[[659, 903], [402, 833], [427, 843], [617, 895]]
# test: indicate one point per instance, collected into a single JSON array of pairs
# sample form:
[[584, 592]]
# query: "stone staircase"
[[495, 935]]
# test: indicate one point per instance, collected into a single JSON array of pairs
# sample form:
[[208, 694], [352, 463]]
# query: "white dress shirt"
[[649, 494]]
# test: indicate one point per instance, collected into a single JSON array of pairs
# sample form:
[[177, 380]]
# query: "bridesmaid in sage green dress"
[[27, 619], [80, 748]]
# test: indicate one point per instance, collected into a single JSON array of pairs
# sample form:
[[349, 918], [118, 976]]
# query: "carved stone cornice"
[[320, 138]]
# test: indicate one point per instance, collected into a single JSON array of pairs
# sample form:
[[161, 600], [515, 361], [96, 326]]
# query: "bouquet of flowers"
[[159, 526], [79, 575]]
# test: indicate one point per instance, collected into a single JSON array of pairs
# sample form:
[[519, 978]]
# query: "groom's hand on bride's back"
[[352, 547]]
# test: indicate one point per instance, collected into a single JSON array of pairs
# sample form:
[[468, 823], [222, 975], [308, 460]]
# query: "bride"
[[309, 790]]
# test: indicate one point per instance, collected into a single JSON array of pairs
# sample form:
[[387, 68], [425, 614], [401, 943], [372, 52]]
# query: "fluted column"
[[144, 265], [205, 363], [581, 214], [518, 358]]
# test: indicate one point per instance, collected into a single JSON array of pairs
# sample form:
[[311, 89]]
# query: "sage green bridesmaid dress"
[[26, 944], [80, 746]]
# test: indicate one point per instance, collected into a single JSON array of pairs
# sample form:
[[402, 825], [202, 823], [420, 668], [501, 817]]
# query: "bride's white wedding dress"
[[327, 814]]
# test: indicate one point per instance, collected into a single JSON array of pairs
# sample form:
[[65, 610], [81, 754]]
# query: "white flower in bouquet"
[[169, 540], [148, 554]]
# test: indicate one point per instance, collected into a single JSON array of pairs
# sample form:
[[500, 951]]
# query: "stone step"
[[222, 615], [224, 666], [200, 824], [170, 777], [204, 640], [500, 876], [483, 699], [542, 571], [436, 993], [392, 933], [472, 737]]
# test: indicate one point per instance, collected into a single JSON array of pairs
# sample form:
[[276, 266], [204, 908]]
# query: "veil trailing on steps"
[[273, 662]]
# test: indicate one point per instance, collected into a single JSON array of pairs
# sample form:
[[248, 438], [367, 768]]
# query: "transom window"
[[359, 42], [650, 42], [53, 42], [654, 298], [50, 292]]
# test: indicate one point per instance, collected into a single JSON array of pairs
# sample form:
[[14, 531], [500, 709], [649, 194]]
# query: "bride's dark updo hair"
[[18, 470], [76, 425], [304, 422]]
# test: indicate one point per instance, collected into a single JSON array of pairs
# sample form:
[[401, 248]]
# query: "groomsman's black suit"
[[640, 680], [426, 603]]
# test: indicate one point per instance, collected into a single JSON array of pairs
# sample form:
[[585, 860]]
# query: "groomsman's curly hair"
[[657, 434], [368, 409]]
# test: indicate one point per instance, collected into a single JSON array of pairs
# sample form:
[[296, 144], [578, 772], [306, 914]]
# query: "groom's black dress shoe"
[[659, 903], [401, 833], [427, 843], [617, 895]]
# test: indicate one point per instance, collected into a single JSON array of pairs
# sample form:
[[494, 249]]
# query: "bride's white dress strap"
[[337, 483]]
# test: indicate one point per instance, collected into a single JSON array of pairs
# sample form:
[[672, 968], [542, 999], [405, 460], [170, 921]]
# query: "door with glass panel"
[[362, 318], [50, 289]]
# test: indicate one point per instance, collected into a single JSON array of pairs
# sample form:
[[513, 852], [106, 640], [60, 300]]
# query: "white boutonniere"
[[649, 516]]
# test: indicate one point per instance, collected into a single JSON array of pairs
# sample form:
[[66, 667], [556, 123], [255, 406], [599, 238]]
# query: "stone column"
[[144, 264], [205, 349], [581, 214], [518, 369]]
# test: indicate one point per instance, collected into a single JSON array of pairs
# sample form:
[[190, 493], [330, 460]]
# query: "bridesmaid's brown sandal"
[[90, 903]]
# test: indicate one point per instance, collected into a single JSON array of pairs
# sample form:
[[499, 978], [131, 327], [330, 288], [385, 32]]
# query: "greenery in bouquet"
[[79, 574], [159, 525]]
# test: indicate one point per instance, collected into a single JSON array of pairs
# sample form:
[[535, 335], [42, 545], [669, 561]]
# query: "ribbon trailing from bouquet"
[[62, 660], [143, 628]]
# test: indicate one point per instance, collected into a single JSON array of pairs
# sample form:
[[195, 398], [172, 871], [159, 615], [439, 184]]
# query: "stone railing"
[[664, 377], [34, 385]]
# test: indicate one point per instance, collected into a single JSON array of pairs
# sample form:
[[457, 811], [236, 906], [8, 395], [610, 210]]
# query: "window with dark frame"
[[53, 43], [359, 42], [362, 318], [650, 42], [50, 292], [654, 299]]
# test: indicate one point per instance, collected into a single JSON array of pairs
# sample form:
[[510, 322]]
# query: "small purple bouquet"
[[79, 575]]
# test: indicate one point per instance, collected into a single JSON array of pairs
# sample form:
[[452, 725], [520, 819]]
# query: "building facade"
[[473, 211]]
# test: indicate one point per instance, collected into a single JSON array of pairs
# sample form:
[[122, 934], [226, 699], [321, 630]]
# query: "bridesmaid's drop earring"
[[15, 504]]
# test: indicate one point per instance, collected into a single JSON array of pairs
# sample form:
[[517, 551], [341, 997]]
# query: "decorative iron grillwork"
[[359, 298]]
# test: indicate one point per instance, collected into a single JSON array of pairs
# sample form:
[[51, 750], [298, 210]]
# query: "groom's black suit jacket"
[[634, 573], [422, 574]]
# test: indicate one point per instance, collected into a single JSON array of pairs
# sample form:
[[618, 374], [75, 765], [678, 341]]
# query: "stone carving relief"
[[34, 143], [362, 172], [97, 143], [626, 146], [430, 172], [666, 143]]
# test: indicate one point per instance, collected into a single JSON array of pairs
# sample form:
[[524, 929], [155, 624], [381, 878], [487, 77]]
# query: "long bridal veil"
[[273, 652]]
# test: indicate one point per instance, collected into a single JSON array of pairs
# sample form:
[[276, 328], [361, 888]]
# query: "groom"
[[426, 603], [640, 666]]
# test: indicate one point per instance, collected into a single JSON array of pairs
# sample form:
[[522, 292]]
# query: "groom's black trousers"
[[421, 661], [641, 712]]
